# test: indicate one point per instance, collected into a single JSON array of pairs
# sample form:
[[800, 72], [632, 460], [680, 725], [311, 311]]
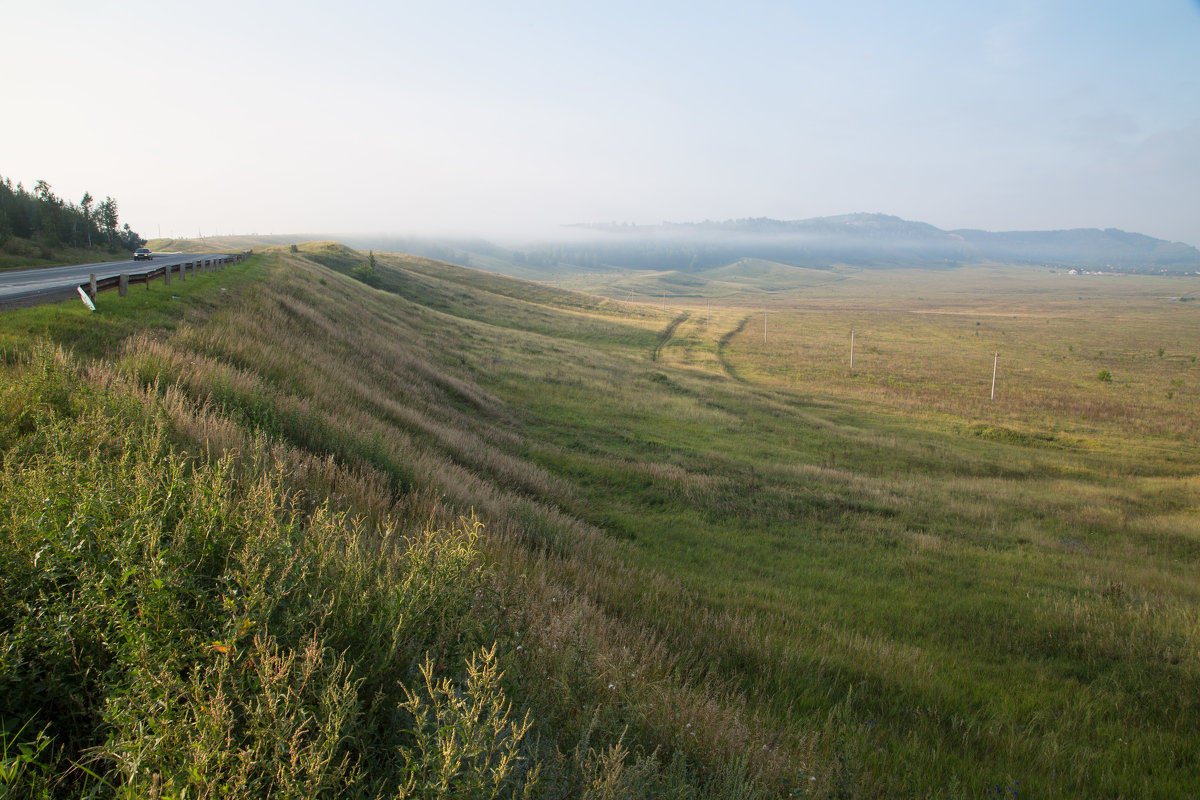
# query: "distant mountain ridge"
[[884, 240], [1088, 246]]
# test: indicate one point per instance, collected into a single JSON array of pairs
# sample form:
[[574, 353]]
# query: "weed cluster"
[[173, 623]]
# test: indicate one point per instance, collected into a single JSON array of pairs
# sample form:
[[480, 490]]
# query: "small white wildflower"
[[611, 686], [519, 647]]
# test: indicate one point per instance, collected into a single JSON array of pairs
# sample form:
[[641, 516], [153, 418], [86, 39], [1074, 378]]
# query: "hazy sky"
[[488, 117]]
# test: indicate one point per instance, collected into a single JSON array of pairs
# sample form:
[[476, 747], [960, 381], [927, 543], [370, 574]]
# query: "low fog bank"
[[865, 240]]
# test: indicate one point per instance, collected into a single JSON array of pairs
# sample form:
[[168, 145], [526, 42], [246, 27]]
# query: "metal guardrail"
[[121, 282]]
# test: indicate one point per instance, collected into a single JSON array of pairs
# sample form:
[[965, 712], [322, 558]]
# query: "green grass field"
[[721, 565], [17, 253]]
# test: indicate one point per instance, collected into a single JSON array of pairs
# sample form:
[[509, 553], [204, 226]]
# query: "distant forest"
[[47, 219]]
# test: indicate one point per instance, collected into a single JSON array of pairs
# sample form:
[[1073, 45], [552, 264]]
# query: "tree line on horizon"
[[44, 217]]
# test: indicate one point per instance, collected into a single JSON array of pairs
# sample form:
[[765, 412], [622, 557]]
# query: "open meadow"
[[715, 561], [1009, 579]]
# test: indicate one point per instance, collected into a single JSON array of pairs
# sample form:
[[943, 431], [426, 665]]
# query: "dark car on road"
[[142, 254]]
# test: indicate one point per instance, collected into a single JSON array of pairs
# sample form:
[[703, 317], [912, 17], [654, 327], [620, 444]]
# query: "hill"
[[18, 253], [282, 562], [324, 524], [882, 240], [221, 244], [1109, 249], [877, 241], [39, 228]]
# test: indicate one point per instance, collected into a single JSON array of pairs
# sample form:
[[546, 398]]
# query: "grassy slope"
[[23, 254], [958, 569], [916, 591], [331, 390], [220, 244]]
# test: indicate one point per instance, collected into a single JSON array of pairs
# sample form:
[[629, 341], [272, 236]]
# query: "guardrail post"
[[92, 285], [123, 284], [167, 275]]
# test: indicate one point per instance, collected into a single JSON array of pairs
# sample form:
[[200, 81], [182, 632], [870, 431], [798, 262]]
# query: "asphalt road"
[[30, 286]]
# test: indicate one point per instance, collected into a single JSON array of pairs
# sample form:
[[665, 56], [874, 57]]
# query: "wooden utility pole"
[[995, 361]]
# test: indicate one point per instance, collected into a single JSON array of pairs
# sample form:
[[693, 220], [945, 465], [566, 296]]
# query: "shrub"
[[367, 274], [1104, 375]]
